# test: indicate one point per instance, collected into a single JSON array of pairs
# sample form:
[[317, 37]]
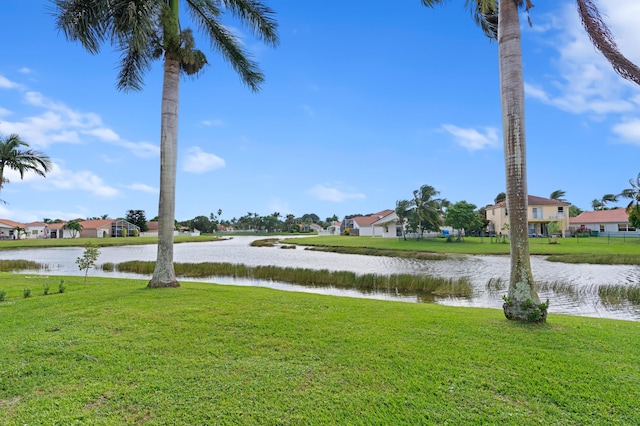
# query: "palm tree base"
[[526, 311], [158, 284]]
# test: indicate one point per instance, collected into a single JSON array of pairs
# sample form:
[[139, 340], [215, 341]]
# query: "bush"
[[26, 292], [3, 293]]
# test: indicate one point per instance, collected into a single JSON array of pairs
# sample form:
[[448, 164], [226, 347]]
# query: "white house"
[[363, 225], [613, 223], [36, 229], [8, 229]]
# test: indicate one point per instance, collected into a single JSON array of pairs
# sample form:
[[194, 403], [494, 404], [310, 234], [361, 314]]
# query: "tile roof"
[[11, 223], [601, 216], [532, 200], [96, 223], [369, 220]]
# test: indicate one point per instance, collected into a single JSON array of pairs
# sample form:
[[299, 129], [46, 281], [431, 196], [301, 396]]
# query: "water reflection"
[[572, 289]]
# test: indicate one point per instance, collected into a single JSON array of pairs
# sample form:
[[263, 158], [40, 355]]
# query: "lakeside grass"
[[310, 277], [99, 242], [576, 250], [113, 352]]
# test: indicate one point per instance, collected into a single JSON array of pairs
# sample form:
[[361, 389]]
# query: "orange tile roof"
[[532, 200], [96, 223], [11, 223], [601, 216]]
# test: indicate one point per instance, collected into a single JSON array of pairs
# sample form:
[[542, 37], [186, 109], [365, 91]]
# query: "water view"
[[571, 289]]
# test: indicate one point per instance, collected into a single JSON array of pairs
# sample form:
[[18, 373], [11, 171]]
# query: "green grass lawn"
[[113, 352], [101, 242], [581, 249]]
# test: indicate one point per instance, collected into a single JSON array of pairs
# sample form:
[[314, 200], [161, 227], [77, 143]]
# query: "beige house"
[[541, 212]]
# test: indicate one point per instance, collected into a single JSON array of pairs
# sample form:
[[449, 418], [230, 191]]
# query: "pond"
[[571, 289]]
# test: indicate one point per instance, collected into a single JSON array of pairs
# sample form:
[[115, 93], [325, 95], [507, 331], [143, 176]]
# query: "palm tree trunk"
[[164, 274], [521, 284]]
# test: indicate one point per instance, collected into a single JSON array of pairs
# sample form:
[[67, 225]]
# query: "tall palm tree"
[[429, 208], [146, 30], [522, 290], [15, 154]]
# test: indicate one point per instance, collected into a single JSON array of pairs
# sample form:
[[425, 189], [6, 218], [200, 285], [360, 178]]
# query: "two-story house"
[[541, 212]]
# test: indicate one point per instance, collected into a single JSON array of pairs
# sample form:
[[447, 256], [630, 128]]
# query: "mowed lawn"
[[112, 352], [489, 246]]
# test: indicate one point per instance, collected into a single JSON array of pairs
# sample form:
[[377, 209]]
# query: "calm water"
[[583, 279]]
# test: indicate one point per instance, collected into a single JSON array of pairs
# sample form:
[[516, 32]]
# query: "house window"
[[624, 227], [506, 212], [560, 212], [537, 213], [601, 227], [34, 232]]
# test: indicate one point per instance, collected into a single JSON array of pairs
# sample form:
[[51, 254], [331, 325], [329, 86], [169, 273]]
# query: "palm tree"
[[607, 198], [500, 197], [522, 291], [148, 30], [633, 194], [402, 211], [428, 208], [74, 226], [16, 155], [558, 194]]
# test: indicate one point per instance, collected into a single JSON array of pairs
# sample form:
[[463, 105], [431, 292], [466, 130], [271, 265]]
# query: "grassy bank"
[[582, 250], [100, 242], [112, 352]]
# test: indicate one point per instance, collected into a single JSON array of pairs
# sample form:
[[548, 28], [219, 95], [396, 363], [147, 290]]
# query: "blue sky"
[[362, 104]]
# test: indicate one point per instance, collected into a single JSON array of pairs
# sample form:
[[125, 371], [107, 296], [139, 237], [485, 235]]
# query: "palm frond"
[[258, 17], [603, 40], [225, 42]]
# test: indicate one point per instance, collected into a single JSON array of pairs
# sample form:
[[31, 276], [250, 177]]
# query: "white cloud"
[[60, 178], [103, 134], [585, 81], [326, 193], [143, 188], [5, 83], [198, 161], [25, 70], [4, 112], [473, 139], [629, 130], [208, 123]]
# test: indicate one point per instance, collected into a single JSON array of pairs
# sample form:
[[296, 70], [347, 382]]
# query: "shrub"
[[61, 287], [45, 289], [3, 293], [26, 292]]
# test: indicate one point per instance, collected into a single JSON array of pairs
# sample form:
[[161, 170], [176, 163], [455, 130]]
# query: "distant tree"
[[47, 220], [403, 209], [558, 194], [462, 216], [74, 226], [15, 155], [20, 231], [500, 197], [574, 211], [138, 218], [633, 194], [201, 223], [607, 198], [596, 204], [429, 208]]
